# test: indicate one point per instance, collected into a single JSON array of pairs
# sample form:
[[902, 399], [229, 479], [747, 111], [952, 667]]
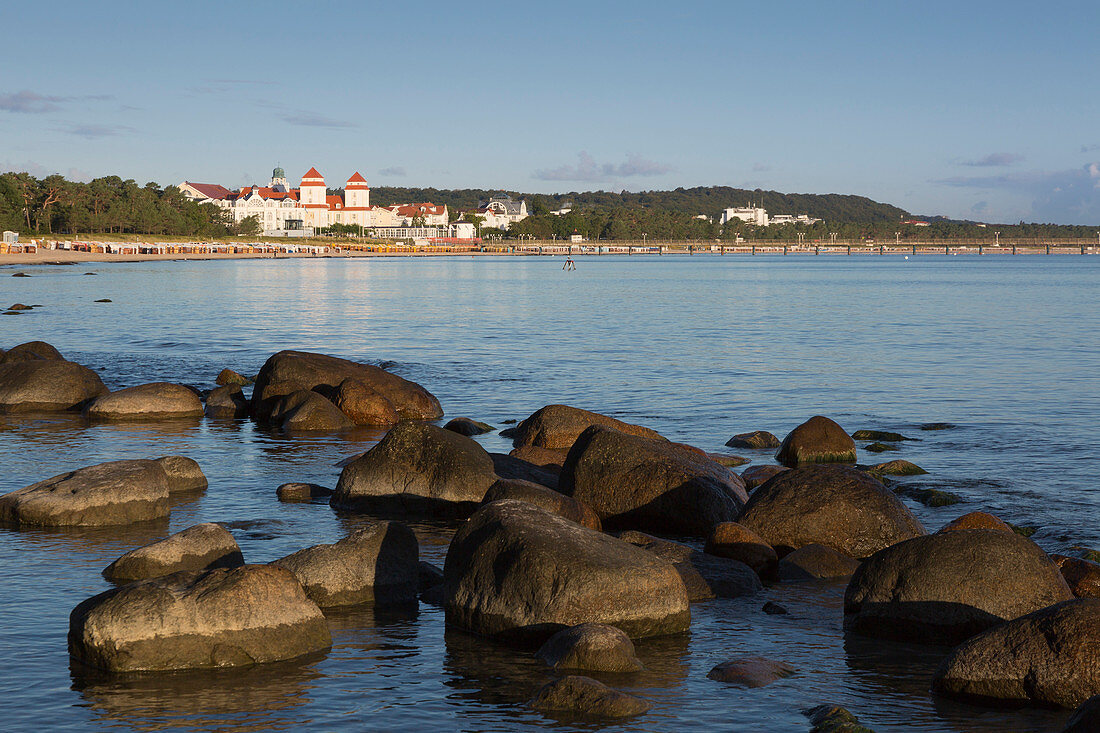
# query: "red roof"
[[209, 190], [356, 178], [312, 173], [264, 192], [335, 201], [411, 210]]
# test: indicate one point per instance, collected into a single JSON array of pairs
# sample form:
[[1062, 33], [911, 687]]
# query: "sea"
[[700, 348]]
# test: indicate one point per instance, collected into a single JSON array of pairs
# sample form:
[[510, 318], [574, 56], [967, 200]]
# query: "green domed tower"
[[278, 180]]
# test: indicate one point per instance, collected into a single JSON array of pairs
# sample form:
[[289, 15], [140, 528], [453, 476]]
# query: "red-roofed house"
[[203, 192], [434, 215]]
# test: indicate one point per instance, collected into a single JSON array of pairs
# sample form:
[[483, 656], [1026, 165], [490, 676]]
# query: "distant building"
[[792, 219], [917, 223], [747, 214], [501, 212], [432, 214]]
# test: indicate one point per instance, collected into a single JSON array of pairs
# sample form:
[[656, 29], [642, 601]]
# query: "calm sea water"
[[698, 348]]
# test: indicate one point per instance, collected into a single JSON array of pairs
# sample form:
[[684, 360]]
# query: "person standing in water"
[[569, 264]]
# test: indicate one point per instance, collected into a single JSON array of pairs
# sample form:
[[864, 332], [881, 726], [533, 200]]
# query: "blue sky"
[[979, 110]]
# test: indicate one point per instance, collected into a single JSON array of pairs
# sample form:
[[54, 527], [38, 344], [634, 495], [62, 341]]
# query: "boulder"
[[1082, 576], [637, 482], [294, 492], [545, 498], [30, 351], [757, 440], [305, 411], [545, 458], [705, 576], [156, 401], [836, 506], [585, 697], [313, 370], [750, 671], [896, 468], [517, 572], [262, 404], [774, 609], [44, 385], [559, 426], [833, 719], [976, 520], [818, 440], [757, 475], [949, 586], [226, 403], [228, 377], [224, 617], [1048, 657], [882, 435], [727, 460], [466, 426], [184, 474], [116, 492], [1086, 718], [417, 468], [737, 542], [816, 562], [199, 547], [378, 563], [879, 447], [364, 404], [590, 647], [513, 467]]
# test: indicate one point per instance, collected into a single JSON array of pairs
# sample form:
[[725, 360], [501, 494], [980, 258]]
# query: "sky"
[[978, 110]]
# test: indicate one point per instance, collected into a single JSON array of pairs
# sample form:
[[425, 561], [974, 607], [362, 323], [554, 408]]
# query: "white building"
[[500, 212], [433, 215], [749, 214], [792, 219]]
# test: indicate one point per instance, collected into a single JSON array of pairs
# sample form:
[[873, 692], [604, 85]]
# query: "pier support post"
[[1048, 249], [849, 250], [784, 250], [981, 249], [817, 249]]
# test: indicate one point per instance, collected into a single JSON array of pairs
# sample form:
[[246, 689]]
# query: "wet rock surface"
[[199, 547], [590, 647], [818, 440]]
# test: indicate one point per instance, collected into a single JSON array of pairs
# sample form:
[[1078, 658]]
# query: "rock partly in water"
[[818, 440], [378, 563], [559, 426], [816, 562], [229, 377], [466, 426], [226, 403], [1082, 576], [193, 620], [949, 586], [1086, 718], [46, 385], [31, 351], [544, 498], [928, 495], [757, 475], [737, 542], [896, 468], [879, 435], [117, 492], [750, 671], [727, 460], [364, 404], [156, 401], [590, 647], [833, 719], [417, 468], [774, 609], [517, 572], [515, 466], [199, 547], [184, 474], [307, 411], [635, 482], [836, 506], [1048, 657], [757, 440], [705, 576], [976, 520], [937, 426], [584, 697], [301, 492]]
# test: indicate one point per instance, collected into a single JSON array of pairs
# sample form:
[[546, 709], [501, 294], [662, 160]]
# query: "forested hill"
[[709, 200]]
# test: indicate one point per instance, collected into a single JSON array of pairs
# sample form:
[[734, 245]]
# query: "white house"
[[750, 214]]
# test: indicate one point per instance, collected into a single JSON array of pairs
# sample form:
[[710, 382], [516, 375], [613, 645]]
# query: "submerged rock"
[[590, 647], [896, 468], [737, 542], [117, 492], [818, 440], [559, 426], [750, 671], [377, 563], [937, 426], [466, 426], [757, 440], [833, 719], [156, 401], [836, 506], [45, 385], [517, 572], [880, 435], [1047, 657], [199, 547], [191, 620], [296, 492], [949, 586], [586, 698], [417, 468]]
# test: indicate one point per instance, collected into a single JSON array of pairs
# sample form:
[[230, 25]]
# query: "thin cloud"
[[40, 171], [1089, 148], [396, 171], [1064, 197], [761, 167], [94, 132], [993, 160], [28, 102], [587, 169], [309, 119]]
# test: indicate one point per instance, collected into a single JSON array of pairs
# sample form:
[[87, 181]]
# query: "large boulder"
[[31, 351], [377, 563], [193, 620], [364, 405], [637, 482], [584, 697], [750, 671], [818, 440], [705, 576], [949, 586], [510, 466], [544, 498], [1048, 657], [816, 562], [559, 426], [517, 572], [311, 371], [155, 401], [184, 474], [226, 403], [116, 492], [550, 459], [302, 492], [199, 547], [591, 647], [976, 520], [469, 428], [754, 476], [417, 468], [738, 542], [44, 385], [836, 506], [306, 411]]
